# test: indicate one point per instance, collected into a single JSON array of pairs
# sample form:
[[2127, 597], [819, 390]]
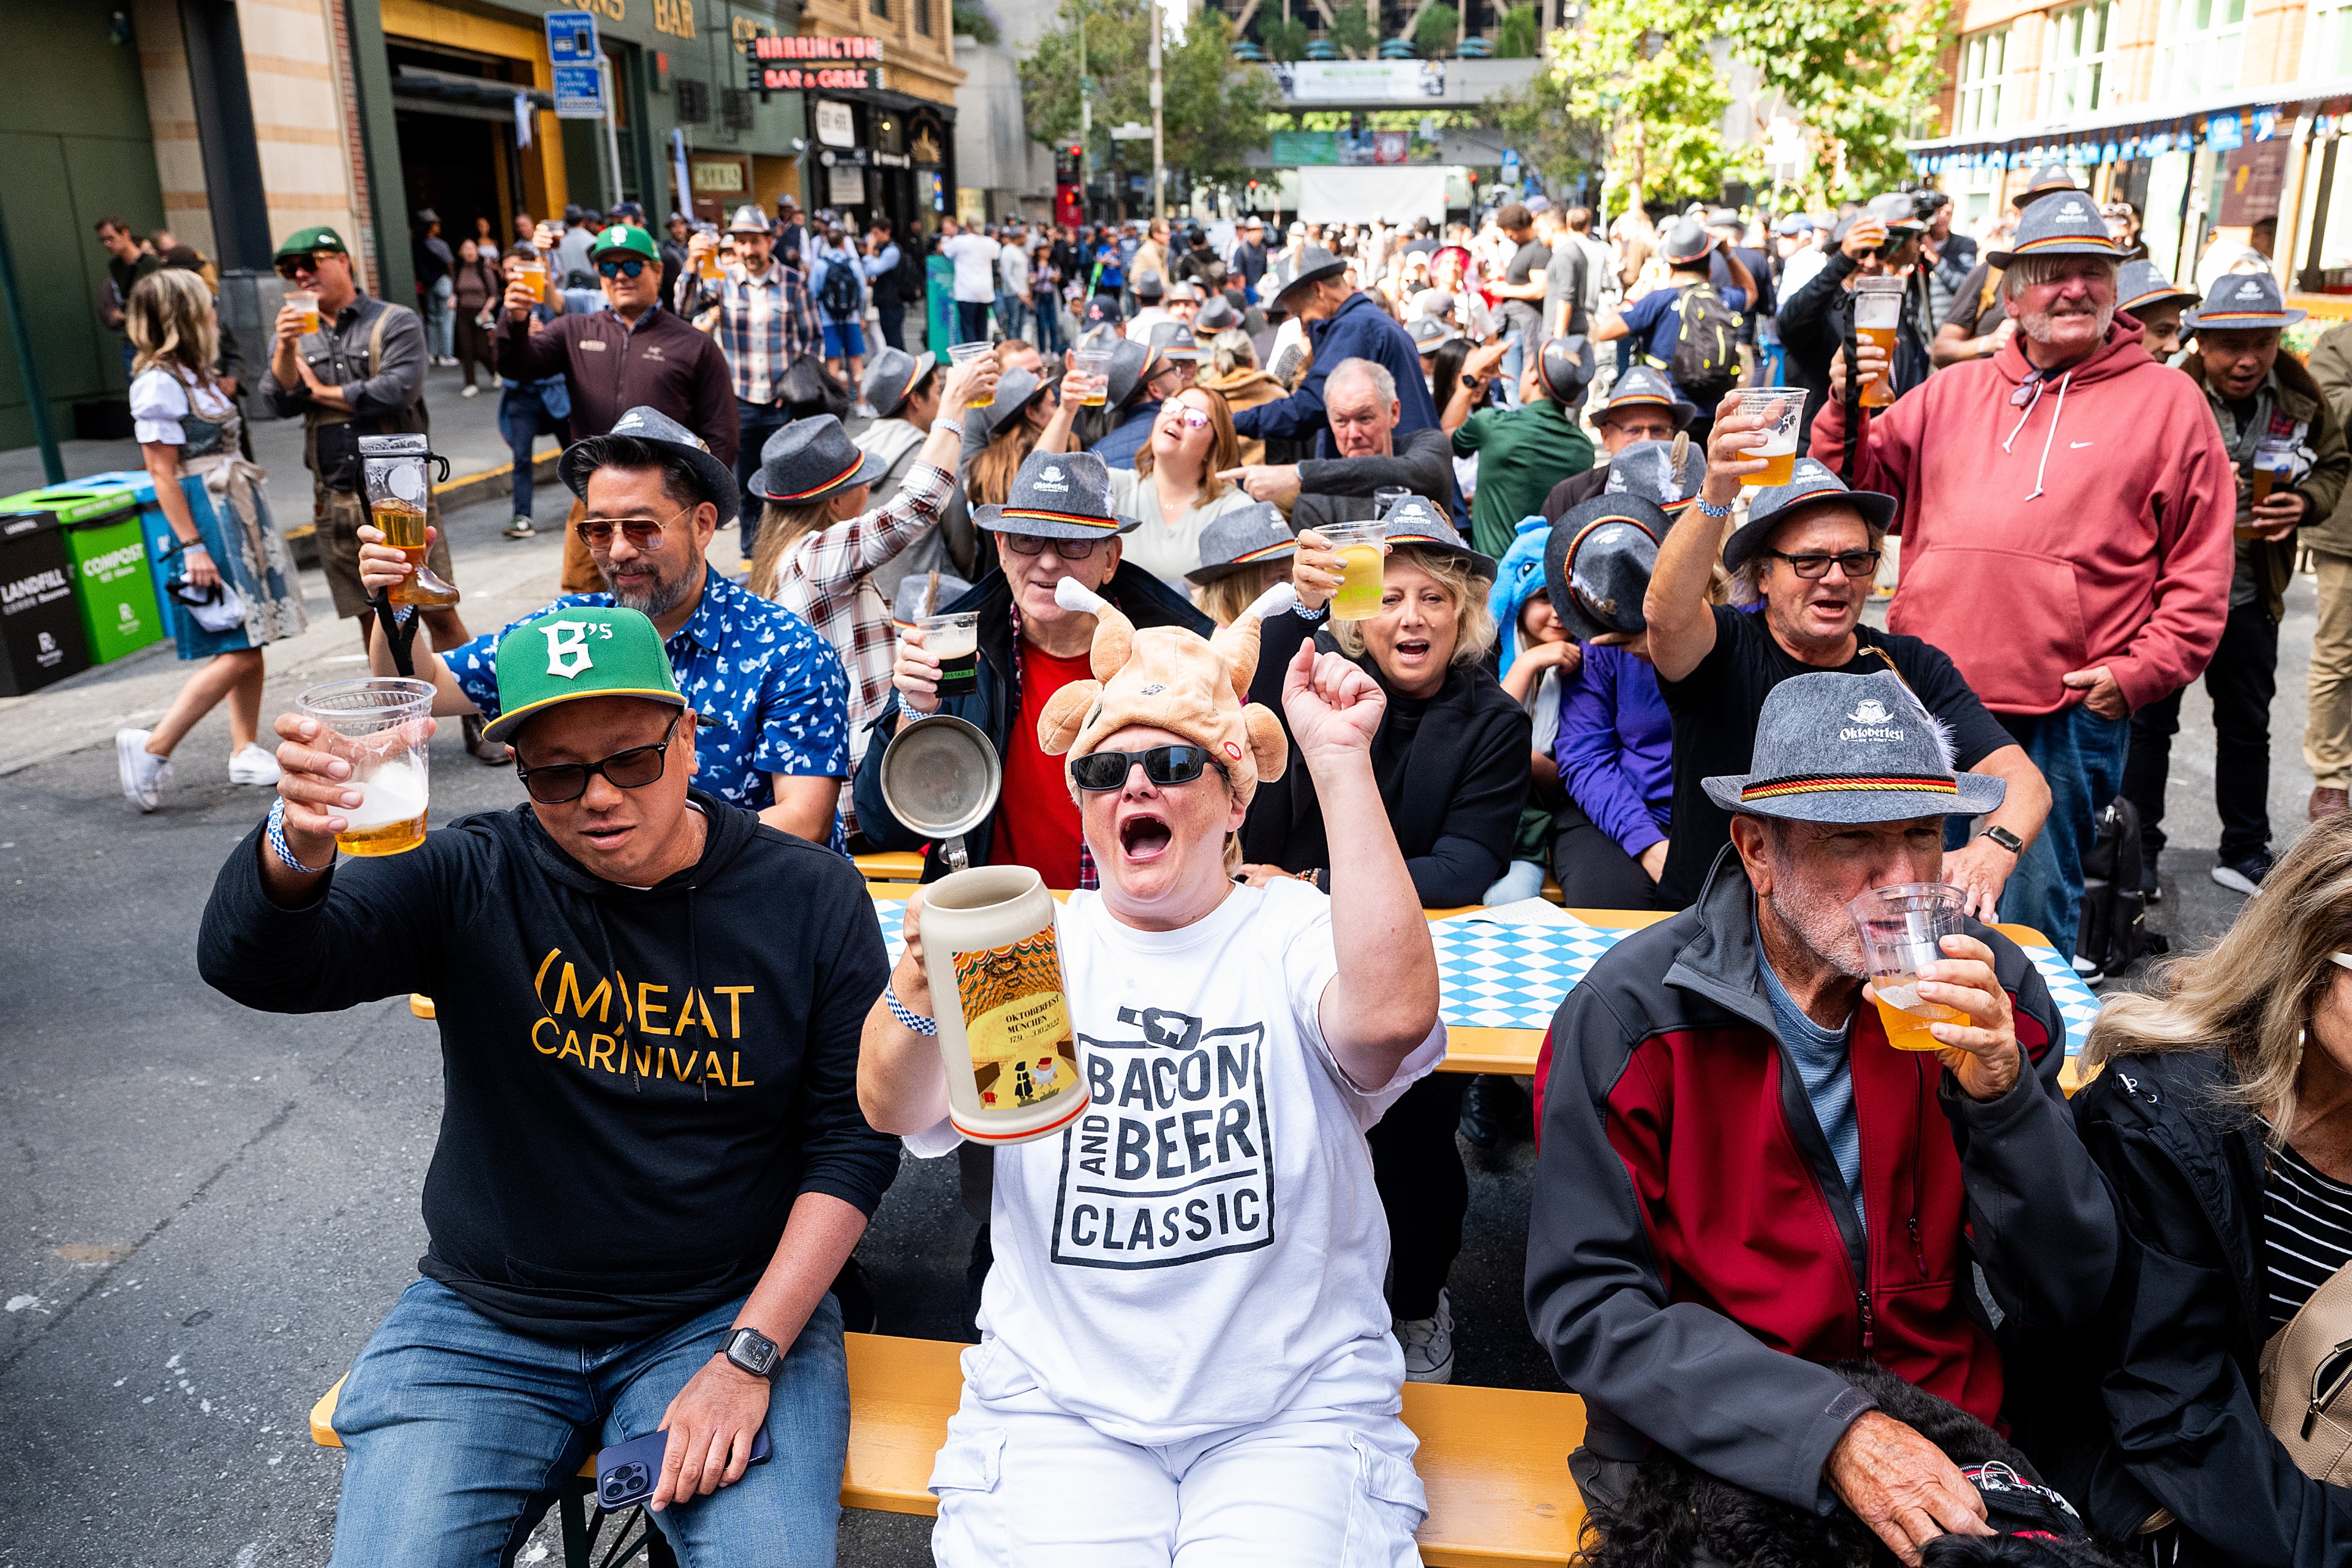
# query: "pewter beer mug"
[[1015, 1070], [394, 485]]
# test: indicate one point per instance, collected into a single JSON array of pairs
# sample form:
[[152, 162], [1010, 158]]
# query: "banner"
[[1360, 195], [1360, 81]]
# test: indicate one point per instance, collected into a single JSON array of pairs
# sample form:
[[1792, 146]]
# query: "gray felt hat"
[[1642, 387], [1016, 389], [1237, 540], [1647, 469], [1057, 495], [1421, 522], [652, 425], [1598, 562], [907, 608], [1850, 749], [1811, 484], [2066, 224], [1565, 365], [2142, 283], [2242, 302], [1218, 315], [1130, 363], [1429, 333], [1315, 264], [1147, 286], [813, 460], [892, 375], [1174, 339]]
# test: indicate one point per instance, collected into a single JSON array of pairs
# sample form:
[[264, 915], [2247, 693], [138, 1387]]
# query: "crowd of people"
[[1605, 657]]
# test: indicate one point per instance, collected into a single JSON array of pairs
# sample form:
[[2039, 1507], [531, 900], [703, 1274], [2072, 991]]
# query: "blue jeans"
[[1049, 324], [1010, 317], [1515, 360], [459, 1433], [1520, 880], [2081, 756], [754, 423], [522, 426], [441, 320]]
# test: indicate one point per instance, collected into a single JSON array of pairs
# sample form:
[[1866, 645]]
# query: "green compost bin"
[[107, 549]]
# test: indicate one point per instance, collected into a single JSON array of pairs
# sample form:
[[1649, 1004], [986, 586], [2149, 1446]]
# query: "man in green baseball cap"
[[651, 1142], [347, 365], [637, 354]]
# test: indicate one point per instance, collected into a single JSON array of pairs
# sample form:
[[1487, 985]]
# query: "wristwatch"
[[2005, 838], [754, 1352]]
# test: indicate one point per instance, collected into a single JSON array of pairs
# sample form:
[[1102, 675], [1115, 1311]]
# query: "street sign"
[[579, 93], [571, 37], [1133, 130]]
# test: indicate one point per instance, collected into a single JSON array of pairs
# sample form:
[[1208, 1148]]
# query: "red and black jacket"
[[1692, 1252]]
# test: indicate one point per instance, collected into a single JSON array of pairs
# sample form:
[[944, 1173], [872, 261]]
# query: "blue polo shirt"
[[768, 693]]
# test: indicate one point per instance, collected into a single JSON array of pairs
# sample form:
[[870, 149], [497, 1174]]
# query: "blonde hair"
[[1224, 446], [781, 528], [1223, 599], [2251, 992], [1474, 623], [169, 319], [994, 466]]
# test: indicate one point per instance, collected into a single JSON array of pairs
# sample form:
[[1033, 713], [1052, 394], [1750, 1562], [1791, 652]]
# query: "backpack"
[[914, 286], [841, 297], [1706, 344], [2114, 906]]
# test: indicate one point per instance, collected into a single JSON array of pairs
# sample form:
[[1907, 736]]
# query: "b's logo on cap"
[[567, 648]]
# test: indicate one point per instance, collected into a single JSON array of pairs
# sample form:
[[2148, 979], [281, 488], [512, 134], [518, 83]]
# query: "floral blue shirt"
[[768, 692]]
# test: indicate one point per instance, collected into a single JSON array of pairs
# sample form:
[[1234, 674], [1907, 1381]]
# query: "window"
[[1984, 80], [879, 7], [2076, 60], [2198, 43], [923, 16], [693, 100], [2328, 41]]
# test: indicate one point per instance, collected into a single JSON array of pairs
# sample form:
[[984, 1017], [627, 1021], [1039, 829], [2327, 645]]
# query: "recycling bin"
[[98, 497], [41, 639]]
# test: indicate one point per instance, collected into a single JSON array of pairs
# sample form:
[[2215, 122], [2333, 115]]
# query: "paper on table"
[[1526, 912]]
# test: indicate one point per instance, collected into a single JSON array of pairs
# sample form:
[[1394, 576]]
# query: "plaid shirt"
[[764, 323]]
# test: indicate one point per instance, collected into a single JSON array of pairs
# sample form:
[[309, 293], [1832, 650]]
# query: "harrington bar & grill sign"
[[795, 62]]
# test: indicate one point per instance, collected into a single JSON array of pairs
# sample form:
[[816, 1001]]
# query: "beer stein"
[[395, 487]]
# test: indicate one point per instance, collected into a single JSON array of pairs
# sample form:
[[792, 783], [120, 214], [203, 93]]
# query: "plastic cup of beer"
[[380, 726], [709, 266], [1784, 407], [1902, 927], [1362, 568], [964, 354], [954, 641], [535, 274], [306, 301], [2273, 461], [1877, 313], [1094, 364]]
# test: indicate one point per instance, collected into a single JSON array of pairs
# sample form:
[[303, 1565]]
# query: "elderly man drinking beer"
[[651, 1163]]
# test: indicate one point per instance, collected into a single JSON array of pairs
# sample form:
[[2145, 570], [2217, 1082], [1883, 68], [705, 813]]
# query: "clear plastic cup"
[[1093, 361], [2272, 464], [964, 354], [1362, 568], [1902, 927], [306, 301], [1785, 408], [379, 725], [535, 274], [954, 641], [1877, 316]]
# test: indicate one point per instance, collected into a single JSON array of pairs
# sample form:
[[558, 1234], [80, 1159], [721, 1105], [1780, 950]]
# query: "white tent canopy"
[[1361, 193]]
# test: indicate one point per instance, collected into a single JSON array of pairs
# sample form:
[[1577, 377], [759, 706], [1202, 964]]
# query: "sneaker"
[[491, 753], [144, 773], [865, 410], [471, 391], [252, 765], [2150, 886], [1429, 1344], [2245, 874], [519, 528]]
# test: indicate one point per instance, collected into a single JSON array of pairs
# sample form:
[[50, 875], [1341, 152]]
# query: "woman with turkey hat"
[[1451, 756]]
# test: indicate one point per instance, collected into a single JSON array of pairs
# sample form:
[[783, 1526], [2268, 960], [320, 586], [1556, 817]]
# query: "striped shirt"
[[764, 323], [2306, 1232]]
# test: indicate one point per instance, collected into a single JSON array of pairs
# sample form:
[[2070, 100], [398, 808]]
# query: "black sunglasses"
[[1855, 564], [628, 268], [1035, 544], [563, 783], [1164, 765], [287, 266]]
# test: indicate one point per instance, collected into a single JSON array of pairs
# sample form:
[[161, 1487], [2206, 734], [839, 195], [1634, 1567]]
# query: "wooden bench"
[[1493, 1460]]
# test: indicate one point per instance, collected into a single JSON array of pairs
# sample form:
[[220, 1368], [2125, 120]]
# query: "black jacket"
[[2156, 1407], [1144, 600], [1453, 770], [1815, 319], [637, 1083], [1339, 490]]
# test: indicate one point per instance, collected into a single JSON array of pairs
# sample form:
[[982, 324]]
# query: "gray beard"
[[1828, 932], [666, 597], [2038, 325]]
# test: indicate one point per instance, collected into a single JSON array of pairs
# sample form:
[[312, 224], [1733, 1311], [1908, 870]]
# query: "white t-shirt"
[[1140, 325], [1013, 265], [161, 399], [974, 256], [1165, 551], [1205, 1247]]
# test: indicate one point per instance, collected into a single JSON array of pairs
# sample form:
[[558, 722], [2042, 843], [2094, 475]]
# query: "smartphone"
[[625, 1472]]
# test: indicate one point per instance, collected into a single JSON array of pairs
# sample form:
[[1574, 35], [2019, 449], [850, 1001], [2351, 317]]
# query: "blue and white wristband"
[[285, 851], [907, 1015]]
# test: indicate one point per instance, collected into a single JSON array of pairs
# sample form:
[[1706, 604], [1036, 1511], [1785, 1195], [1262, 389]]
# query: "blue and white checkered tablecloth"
[[1512, 977]]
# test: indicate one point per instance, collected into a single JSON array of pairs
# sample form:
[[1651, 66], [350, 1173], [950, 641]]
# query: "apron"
[[242, 539]]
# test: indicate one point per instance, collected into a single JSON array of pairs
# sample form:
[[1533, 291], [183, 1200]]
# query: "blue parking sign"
[[579, 93], [571, 37]]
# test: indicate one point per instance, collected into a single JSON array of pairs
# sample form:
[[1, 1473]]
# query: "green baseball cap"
[[624, 237], [303, 241], [568, 654]]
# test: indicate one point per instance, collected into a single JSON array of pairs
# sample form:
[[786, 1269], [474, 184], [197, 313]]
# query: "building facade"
[[882, 141]]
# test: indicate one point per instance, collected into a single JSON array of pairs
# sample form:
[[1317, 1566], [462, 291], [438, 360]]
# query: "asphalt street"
[[209, 1209]]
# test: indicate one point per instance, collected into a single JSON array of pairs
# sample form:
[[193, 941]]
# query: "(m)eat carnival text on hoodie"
[[638, 1084], [2055, 523]]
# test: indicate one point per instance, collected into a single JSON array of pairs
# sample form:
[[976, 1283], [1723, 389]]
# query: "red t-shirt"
[[1036, 820]]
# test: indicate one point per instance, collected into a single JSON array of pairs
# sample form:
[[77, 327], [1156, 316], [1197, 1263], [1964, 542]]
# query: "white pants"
[[1022, 1484]]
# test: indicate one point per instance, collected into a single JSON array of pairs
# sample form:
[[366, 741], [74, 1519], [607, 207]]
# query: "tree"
[[1284, 38], [1433, 34], [1215, 107], [1856, 72], [1351, 32], [973, 18], [1518, 37], [1635, 91]]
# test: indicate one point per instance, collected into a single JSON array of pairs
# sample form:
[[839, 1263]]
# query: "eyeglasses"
[[1162, 765], [289, 266], [628, 268], [644, 532], [563, 783], [1855, 564], [1031, 544], [1194, 419]]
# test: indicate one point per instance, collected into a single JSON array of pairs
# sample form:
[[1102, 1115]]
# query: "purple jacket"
[[1614, 748]]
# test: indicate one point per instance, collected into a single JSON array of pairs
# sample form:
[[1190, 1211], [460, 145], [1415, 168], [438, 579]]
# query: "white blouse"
[[1165, 551], [161, 399]]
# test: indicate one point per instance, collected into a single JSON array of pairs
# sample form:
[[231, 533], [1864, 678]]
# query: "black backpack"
[[841, 296], [1706, 346], [914, 286], [2113, 933]]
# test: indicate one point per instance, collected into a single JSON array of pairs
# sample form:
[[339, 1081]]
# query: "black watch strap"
[[754, 1352], [2005, 838]]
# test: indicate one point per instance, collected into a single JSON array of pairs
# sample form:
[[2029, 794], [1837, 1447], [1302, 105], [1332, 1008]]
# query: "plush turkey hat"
[[1172, 680]]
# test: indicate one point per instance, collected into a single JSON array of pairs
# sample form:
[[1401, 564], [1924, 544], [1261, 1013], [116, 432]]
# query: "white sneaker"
[[144, 773], [865, 410], [1429, 1344], [471, 391], [252, 765]]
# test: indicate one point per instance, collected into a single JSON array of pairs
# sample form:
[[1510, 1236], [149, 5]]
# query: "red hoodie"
[[2090, 526]]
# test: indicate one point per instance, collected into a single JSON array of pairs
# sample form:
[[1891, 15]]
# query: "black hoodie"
[[637, 1083]]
